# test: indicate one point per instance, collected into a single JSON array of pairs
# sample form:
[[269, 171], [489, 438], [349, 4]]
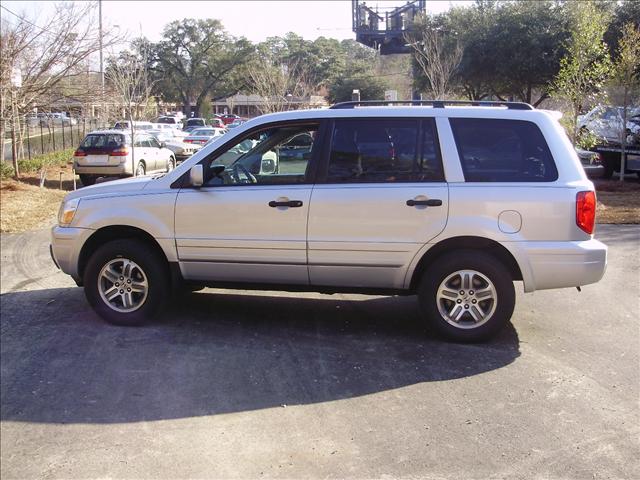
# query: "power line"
[[27, 21]]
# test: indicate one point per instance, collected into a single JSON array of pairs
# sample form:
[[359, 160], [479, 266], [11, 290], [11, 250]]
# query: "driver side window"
[[275, 156]]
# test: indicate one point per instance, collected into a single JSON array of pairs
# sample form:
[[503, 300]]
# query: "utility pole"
[[101, 64]]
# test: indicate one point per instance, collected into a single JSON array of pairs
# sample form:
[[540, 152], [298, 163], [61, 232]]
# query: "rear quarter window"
[[496, 150]]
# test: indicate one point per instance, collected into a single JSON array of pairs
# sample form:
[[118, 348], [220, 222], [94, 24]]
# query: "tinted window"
[[195, 122], [384, 150], [108, 141], [502, 151]]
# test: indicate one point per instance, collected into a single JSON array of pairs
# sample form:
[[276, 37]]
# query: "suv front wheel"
[[467, 296], [125, 281]]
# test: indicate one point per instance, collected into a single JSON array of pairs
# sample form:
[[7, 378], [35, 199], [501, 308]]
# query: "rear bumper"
[[121, 169], [548, 265]]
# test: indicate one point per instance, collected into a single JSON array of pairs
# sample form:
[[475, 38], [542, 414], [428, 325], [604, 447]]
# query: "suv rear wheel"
[[126, 282], [467, 296]]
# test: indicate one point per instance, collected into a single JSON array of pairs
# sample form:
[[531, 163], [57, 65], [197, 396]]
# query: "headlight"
[[67, 212]]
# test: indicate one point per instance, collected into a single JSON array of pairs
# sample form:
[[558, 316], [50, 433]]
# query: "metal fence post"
[[41, 138], [53, 136], [28, 140], [63, 145]]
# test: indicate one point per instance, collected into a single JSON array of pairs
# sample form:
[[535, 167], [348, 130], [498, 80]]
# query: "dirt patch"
[[618, 202], [25, 206]]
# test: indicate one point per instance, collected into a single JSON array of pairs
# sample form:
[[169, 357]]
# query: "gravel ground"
[[232, 384]]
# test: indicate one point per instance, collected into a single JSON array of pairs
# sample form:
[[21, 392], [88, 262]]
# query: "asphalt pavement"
[[231, 384]]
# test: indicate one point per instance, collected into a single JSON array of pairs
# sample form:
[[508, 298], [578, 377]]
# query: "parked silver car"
[[452, 203], [111, 153]]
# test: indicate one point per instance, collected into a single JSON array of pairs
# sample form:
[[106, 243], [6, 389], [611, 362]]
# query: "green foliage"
[[371, 88], [196, 59], [510, 49], [586, 66], [38, 162]]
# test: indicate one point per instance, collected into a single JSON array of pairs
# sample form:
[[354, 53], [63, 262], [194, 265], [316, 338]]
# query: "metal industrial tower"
[[384, 29]]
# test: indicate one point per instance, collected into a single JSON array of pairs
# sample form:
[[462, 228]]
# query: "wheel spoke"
[[466, 280], [476, 313], [110, 275], [445, 292], [138, 287], [484, 293], [126, 268], [127, 300], [112, 293]]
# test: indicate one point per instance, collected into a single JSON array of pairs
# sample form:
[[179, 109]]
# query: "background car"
[[202, 135], [137, 125], [606, 123], [229, 118], [112, 153], [193, 123], [170, 120], [175, 143], [236, 123]]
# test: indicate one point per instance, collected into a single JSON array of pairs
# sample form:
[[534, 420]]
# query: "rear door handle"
[[288, 203], [432, 202]]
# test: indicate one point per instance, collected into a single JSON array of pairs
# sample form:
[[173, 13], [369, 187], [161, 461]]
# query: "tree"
[[371, 88], [129, 76], [197, 59], [625, 80], [277, 83], [437, 60], [586, 65], [45, 56]]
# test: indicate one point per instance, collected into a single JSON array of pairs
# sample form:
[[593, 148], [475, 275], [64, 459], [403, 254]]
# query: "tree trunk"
[[14, 149]]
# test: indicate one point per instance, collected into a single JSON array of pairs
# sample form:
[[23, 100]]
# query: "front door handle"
[[288, 203], [432, 202]]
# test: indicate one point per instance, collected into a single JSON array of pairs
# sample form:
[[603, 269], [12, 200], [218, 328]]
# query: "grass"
[[25, 207], [37, 163]]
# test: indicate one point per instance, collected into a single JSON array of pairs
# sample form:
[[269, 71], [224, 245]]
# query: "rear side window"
[[384, 151], [493, 150]]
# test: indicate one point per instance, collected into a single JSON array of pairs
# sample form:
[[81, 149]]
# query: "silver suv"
[[452, 203]]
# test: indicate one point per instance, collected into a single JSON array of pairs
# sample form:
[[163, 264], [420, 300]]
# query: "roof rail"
[[433, 103]]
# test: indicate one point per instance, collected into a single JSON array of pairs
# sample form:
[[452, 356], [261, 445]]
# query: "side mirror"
[[196, 176], [163, 145]]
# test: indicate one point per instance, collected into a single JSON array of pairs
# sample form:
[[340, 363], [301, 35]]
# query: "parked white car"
[[176, 144], [111, 153], [137, 125], [452, 203], [606, 123]]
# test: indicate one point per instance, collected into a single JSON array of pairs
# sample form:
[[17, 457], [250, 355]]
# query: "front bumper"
[[548, 265], [66, 243]]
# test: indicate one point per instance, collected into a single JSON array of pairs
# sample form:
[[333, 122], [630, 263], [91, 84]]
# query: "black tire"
[[154, 267], [171, 164], [87, 180], [446, 267], [140, 169], [611, 163]]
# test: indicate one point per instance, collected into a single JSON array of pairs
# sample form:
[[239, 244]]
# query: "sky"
[[255, 20]]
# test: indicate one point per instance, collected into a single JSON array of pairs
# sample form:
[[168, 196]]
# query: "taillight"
[[79, 153], [119, 152], [186, 140], [586, 211]]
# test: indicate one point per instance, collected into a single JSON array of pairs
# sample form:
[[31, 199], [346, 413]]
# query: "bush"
[[37, 163]]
